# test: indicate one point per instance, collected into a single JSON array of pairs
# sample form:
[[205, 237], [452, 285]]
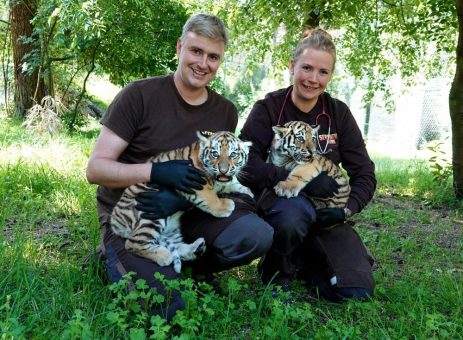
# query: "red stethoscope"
[[321, 115]]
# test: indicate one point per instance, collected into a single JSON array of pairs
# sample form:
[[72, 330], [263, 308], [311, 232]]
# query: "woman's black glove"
[[322, 186], [180, 175], [160, 203], [327, 217]]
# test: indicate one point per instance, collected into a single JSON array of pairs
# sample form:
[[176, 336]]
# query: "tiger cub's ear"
[[279, 130], [204, 133], [314, 131], [246, 145], [204, 136]]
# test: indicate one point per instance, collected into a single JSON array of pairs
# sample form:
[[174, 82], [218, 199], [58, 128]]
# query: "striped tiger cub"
[[293, 148], [221, 156]]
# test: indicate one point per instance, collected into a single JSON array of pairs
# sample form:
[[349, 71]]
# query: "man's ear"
[[179, 46]]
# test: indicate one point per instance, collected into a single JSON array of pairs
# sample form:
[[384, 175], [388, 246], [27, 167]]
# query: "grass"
[[48, 225]]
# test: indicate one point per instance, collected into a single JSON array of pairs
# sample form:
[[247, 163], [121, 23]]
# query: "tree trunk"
[[366, 125], [29, 87], [456, 109]]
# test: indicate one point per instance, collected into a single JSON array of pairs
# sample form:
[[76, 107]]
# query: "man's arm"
[[104, 169]]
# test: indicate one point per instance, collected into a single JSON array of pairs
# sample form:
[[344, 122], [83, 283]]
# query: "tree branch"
[[92, 67], [62, 58], [389, 4], [70, 82]]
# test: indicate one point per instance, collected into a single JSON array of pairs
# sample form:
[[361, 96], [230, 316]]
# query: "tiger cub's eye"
[[234, 154], [215, 154]]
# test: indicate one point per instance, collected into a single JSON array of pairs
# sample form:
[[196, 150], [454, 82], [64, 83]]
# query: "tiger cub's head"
[[222, 154], [294, 141]]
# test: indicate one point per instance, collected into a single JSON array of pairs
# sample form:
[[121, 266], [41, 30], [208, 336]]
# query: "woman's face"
[[312, 72]]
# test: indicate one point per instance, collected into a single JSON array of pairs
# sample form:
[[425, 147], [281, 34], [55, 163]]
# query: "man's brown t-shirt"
[[152, 117]]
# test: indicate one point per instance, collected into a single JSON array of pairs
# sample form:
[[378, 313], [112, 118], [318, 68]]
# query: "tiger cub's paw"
[[177, 265], [196, 249], [192, 251], [163, 257], [226, 208], [247, 191], [200, 247], [285, 189]]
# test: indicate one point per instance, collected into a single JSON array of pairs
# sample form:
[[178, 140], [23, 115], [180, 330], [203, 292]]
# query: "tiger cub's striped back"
[[222, 156], [293, 148]]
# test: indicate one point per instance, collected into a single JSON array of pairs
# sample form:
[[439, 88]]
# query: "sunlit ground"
[[102, 88], [54, 154]]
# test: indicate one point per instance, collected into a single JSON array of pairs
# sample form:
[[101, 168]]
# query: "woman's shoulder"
[[271, 101], [336, 105], [334, 100], [277, 95]]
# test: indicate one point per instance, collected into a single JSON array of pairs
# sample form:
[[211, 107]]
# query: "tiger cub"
[[221, 156], [293, 148]]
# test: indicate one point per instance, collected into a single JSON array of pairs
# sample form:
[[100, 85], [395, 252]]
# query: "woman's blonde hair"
[[318, 39]]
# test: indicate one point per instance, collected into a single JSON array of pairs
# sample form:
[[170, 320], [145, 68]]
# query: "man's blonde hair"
[[206, 25]]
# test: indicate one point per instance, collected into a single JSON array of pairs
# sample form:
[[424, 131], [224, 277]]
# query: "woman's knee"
[[294, 215], [291, 209]]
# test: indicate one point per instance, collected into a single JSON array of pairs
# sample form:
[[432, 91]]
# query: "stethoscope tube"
[[319, 116]]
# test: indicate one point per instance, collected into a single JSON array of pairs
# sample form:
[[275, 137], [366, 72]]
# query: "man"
[[157, 114]]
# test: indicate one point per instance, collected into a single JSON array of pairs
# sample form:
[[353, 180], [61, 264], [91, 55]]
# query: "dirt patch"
[[40, 231], [445, 225]]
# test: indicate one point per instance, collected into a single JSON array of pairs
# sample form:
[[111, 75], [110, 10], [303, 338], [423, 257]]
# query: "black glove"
[[180, 175], [322, 186], [327, 217], [160, 203]]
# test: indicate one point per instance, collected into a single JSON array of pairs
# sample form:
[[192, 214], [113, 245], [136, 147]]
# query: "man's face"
[[198, 60]]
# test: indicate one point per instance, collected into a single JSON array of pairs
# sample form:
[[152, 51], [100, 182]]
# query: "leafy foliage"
[[375, 39], [125, 39], [441, 166]]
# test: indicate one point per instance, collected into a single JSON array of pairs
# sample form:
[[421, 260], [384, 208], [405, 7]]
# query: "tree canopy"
[[375, 39], [125, 39]]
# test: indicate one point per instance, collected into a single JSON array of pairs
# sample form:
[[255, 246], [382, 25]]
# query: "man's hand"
[[327, 217], [322, 186], [160, 203], [180, 175]]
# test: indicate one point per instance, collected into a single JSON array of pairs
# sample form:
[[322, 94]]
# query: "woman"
[[333, 260]]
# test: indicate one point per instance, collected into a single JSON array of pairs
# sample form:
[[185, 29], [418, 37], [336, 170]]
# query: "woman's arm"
[[258, 130]]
